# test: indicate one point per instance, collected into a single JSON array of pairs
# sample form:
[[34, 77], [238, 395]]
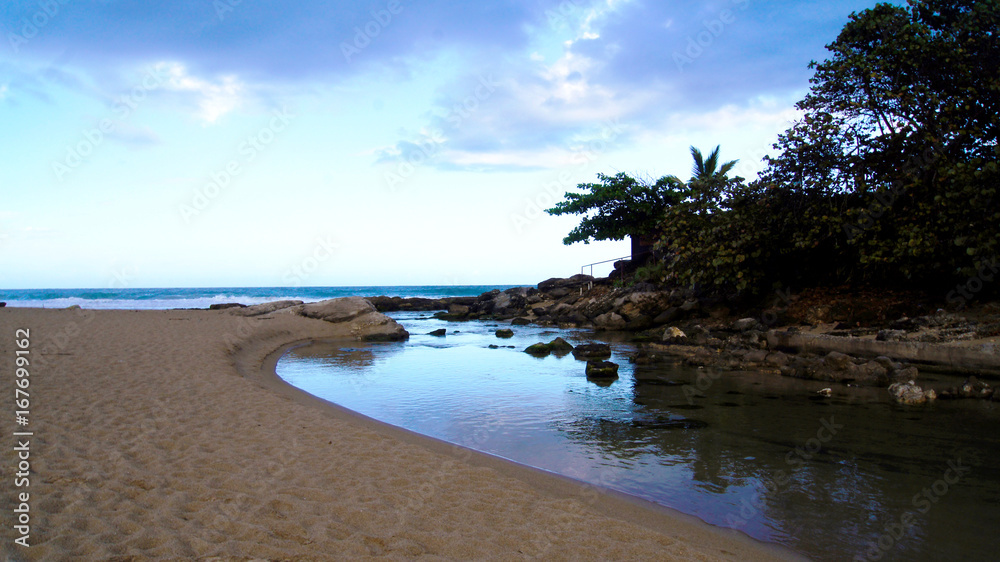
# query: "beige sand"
[[153, 441]]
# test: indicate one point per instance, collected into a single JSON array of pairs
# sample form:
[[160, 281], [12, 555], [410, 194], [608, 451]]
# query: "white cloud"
[[216, 98], [3, 92]]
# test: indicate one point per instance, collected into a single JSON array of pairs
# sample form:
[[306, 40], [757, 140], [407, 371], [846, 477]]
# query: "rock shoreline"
[[831, 340]]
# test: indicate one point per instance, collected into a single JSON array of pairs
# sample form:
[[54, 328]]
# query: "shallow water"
[[833, 478]]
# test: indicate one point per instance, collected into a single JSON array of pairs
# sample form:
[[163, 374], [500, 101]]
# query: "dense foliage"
[[619, 206], [889, 178]]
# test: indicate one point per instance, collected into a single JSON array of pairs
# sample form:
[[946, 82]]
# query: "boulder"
[[838, 361], [674, 335], [266, 308], [3, 304], [505, 333], [910, 394], [559, 292], [592, 350], [338, 310], [520, 322], [572, 282], [975, 388], [439, 332], [746, 324], [890, 335], [538, 349], [458, 309], [690, 306], [224, 306], [365, 322], [602, 370], [560, 346], [671, 314], [609, 321]]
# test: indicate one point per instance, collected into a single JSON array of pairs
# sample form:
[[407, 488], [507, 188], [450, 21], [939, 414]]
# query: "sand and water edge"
[[167, 434]]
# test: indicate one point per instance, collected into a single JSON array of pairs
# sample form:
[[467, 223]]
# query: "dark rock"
[[560, 346], [869, 374], [838, 361], [505, 333], [975, 388], [746, 324], [602, 370], [559, 292], [910, 394], [890, 335], [440, 332], [539, 349], [690, 306], [671, 314], [776, 359], [493, 346], [639, 323], [520, 322], [609, 321], [224, 306], [592, 350], [458, 309], [3, 304], [572, 282]]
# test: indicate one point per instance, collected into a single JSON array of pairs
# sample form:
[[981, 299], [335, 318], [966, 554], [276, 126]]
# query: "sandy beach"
[[166, 435]]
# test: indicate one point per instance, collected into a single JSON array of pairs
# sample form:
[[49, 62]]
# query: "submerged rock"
[[602, 370], [560, 345], [505, 333], [910, 394], [538, 349], [439, 332], [592, 350]]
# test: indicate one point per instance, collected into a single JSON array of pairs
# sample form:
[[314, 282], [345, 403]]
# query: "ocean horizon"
[[202, 297]]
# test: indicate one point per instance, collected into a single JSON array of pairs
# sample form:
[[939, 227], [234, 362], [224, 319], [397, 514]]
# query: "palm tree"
[[705, 170]]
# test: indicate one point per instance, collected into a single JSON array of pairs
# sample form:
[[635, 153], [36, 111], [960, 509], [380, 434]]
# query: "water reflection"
[[830, 477]]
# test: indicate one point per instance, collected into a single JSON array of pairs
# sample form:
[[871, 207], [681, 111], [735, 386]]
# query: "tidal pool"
[[839, 478]]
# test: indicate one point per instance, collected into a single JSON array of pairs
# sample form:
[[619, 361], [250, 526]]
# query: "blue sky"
[[253, 142]]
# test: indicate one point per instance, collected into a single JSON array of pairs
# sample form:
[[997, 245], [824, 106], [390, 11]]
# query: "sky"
[[219, 143]]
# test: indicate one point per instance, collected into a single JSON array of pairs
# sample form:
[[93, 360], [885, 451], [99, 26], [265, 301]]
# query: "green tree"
[[891, 176], [619, 206]]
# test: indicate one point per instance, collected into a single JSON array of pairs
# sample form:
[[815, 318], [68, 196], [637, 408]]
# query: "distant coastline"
[[203, 297]]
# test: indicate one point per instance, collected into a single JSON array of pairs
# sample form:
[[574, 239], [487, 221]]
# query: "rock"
[[338, 310], [3, 304], [560, 346], [602, 370], [690, 306], [609, 321], [908, 393], [974, 388], [505, 333], [366, 323], [458, 309], [572, 282], [539, 349], [224, 306], [776, 359], [439, 332], [838, 361], [890, 335], [745, 324], [827, 392], [756, 356], [868, 374], [674, 335], [559, 293], [592, 350], [698, 335], [266, 308], [671, 314], [520, 322]]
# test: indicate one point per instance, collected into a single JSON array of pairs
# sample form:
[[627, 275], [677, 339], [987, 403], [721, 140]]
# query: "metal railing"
[[591, 265]]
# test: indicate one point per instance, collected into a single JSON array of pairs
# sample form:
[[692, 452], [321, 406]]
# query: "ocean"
[[168, 298]]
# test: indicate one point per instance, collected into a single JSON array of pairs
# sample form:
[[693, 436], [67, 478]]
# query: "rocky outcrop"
[[910, 394], [266, 308], [364, 322]]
